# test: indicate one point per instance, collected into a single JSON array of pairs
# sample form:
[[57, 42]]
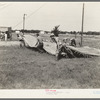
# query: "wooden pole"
[[24, 23], [82, 25]]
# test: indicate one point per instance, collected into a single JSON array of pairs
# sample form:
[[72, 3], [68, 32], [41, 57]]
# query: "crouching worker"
[[20, 38], [73, 42], [39, 44]]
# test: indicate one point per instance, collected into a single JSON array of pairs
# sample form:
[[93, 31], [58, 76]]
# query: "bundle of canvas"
[[50, 47], [84, 51], [71, 51], [30, 41]]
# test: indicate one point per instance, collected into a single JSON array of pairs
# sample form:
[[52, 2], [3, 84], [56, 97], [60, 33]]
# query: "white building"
[[4, 29], [42, 32]]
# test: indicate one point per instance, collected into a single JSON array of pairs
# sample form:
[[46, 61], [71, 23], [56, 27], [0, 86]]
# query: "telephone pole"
[[82, 25], [24, 22]]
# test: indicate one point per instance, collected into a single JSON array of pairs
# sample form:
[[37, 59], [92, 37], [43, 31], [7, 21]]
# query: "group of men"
[[5, 36], [54, 37], [56, 40]]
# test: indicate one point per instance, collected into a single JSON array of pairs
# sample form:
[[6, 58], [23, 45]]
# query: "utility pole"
[[82, 25], [24, 22]]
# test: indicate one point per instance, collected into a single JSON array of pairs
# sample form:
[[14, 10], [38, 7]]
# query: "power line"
[[30, 14], [5, 7], [18, 24], [2, 5], [36, 10]]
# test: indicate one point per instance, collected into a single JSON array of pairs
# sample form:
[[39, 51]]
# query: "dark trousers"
[[40, 47]]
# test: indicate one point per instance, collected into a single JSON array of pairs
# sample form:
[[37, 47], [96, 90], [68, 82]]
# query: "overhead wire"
[[36, 11], [5, 6], [30, 15], [2, 4]]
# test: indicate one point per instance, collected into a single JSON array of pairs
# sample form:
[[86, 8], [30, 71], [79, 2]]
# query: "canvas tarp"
[[85, 50], [51, 48], [30, 40]]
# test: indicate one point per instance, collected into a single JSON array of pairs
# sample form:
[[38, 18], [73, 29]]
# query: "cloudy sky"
[[46, 15]]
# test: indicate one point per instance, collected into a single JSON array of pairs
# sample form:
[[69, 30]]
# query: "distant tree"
[[62, 32], [30, 31]]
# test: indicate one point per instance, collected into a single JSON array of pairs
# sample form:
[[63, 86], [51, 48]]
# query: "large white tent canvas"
[[50, 47], [30, 40]]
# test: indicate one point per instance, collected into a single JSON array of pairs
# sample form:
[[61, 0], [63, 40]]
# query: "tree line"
[[60, 32]]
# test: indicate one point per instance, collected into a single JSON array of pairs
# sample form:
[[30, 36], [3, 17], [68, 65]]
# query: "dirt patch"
[[9, 43]]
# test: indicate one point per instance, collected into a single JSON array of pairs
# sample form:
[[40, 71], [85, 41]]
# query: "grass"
[[22, 68]]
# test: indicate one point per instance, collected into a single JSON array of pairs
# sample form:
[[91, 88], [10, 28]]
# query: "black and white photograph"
[[49, 45]]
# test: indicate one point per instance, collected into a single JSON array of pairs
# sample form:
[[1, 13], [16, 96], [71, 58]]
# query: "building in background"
[[4, 29], [7, 30]]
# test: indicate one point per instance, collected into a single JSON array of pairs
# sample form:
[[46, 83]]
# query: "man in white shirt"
[[5, 36]]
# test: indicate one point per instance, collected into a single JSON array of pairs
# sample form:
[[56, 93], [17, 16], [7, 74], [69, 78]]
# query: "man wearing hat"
[[73, 42]]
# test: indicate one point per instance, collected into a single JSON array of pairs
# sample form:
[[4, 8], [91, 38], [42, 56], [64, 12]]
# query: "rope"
[[29, 15]]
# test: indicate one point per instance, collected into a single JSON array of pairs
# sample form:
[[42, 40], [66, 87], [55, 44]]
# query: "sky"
[[46, 15]]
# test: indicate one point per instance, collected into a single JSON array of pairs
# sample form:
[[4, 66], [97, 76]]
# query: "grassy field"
[[23, 68]]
